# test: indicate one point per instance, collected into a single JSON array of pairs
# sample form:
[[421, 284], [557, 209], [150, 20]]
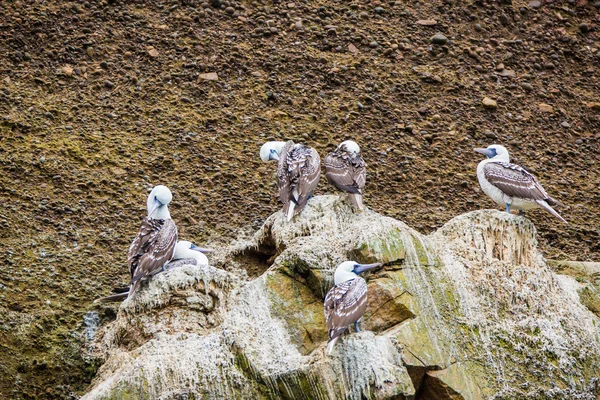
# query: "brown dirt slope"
[[101, 100]]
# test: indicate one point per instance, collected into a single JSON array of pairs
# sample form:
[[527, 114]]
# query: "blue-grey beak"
[[201, 249], [273, 156], [155, 205], [360, 268], [486, 152]]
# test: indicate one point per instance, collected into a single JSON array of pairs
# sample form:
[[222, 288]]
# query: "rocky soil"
[[99, 101]]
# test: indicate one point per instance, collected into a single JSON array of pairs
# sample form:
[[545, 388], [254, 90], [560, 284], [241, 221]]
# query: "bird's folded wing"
[[145, 237], [345, 304], [283, 178], [310, 174], [343, 173], [514, 181], [159, 251]]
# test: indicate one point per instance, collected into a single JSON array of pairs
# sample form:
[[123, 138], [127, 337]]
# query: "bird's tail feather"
[[113, 298], [546, 207], [356, 199], [290, 211], [331, 343]]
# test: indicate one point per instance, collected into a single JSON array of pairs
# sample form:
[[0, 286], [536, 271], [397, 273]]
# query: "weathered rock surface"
[[471, 311]]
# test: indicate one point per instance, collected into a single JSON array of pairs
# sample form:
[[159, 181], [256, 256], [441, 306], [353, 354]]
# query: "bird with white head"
[[347, 171], [298, 173], [346, 301], [510, 185]]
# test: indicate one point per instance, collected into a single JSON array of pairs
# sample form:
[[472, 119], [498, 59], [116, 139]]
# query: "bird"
[[346, 301], [346, 170], [510, 185], [154, 245], [186, 253], [298, 173]]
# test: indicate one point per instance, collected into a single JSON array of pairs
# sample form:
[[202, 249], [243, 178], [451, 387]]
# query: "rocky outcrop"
[[471, 311]]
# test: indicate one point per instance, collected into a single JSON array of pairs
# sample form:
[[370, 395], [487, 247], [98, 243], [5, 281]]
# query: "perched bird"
[[509, 185], [346, 301], [346, 170], [185, 253], [298, 173], [155, 243]]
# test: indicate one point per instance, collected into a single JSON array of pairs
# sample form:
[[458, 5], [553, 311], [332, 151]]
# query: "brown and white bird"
[[298, 173], [346, 301], [186, 253], [509, 185], [154, 245], [346, 170]]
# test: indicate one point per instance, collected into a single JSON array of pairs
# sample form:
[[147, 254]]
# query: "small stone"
[[109, 84], [527, 86], [427, 22], [584, 28], [535, 4], [593, 106], [491, 135], [152, 52], [352, 48], [379, 10], [127, 55], [298, 25], [546, 108], [230, 10], [104, 65], [565, 124], [67, 70], [489, 103], [210, 76], [478, 28], [373, 44], [499, 67], [439, 38]]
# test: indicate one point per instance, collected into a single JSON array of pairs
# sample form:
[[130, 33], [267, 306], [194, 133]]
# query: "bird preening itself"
[[346, 301], [510, 185], [346, 170], [298, 173], [154, 245], [186, 253]]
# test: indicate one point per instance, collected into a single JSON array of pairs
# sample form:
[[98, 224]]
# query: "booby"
[[509, 185], [346, 170], [298, 173], [155, 243], [346, 301], [186, 253]]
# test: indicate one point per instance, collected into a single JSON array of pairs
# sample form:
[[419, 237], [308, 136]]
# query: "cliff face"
[[471, 311]]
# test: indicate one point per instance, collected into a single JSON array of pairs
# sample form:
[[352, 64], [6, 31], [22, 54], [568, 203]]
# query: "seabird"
[[298, 173], [346, 170], [346, 301], [509, 185], [155, 243], [186, 253]]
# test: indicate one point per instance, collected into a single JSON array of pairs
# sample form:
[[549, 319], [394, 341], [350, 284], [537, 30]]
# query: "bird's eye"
[[155, 198]]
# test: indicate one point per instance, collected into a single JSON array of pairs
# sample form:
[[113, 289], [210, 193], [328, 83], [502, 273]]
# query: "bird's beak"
[[201, 249], [485, 152], [155, 205], [360, 268], [273, 156]]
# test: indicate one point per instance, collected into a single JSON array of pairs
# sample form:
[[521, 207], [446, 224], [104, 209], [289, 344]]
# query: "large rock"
[[471, 311]]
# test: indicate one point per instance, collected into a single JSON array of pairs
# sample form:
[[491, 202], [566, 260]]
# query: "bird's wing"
[[344, 172], [514, 181], [345, 304], [283, 177], [306, 171], [159, 251], [145, 237]]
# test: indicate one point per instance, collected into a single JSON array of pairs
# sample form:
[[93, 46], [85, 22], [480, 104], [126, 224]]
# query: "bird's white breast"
[[492, 191]]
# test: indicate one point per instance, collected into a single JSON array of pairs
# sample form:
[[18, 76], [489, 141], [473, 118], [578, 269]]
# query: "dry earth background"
[[99, 101]]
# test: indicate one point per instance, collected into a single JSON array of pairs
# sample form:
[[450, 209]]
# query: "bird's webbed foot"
[[356, 328], [508, 208], [521, 212]]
